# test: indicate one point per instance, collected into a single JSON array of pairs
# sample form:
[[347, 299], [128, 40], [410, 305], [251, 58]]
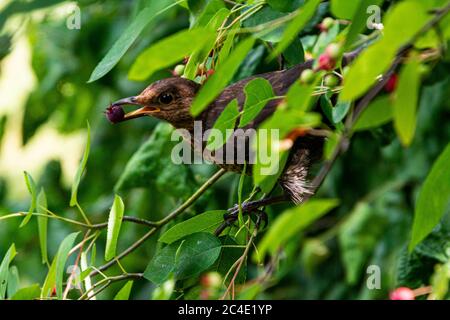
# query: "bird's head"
[[168, 99]]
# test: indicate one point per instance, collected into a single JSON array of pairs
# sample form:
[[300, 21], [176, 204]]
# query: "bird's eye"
[[165, 98]]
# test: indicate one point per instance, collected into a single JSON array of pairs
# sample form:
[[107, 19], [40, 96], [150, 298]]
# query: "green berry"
[[331, 80], [327, 23], [333, 50], [307, 76], [179, 69]]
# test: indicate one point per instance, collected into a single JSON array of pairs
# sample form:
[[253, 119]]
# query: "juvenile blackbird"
[[170, 100]]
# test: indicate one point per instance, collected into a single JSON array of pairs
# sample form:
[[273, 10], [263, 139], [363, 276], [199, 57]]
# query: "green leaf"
[[257, 93], [224, 126], [197, 253], [152, 167], [168, 51], [61, 259], [130, 35], [17, 7], [377, 58], [42, 224], [359, 19], [365, 70], [201, 55], [227, 44], [340, 110], [4, 270], [81, 167], [433, 199], [294, 54], [265, 16], [162, 265], [124, 293], [208, 12], [13, 281], [114, 224], [31, 186], [378, 112], [230, 253], [406, 101], [50, 280], [300, 95], [29, 293], [357, 239], [205, 222], [290, 223], [284, 5], [304, 14], [224, 73], [270, 160], [344, 9]]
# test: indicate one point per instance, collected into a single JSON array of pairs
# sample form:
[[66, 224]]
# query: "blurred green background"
[[45, 103]]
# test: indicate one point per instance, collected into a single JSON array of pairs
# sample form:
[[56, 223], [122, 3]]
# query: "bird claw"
[[232, 215]]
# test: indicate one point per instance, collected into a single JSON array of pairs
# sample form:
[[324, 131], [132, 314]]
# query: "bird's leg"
[[250, 207]]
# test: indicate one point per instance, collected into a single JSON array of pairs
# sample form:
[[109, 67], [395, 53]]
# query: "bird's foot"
[[248, 208]]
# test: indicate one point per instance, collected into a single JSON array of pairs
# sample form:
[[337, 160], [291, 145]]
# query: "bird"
[[170, 99]]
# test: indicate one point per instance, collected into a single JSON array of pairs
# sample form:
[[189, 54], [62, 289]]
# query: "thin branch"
[[107, 281], [163, 221]]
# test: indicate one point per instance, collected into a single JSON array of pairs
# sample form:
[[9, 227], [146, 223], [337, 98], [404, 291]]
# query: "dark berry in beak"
[[115, 114]]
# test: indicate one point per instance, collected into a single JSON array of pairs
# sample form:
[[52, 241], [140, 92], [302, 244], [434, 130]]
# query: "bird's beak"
[[143, 111]]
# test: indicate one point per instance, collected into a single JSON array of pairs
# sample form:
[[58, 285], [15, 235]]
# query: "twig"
[[110, 280], [163, 221], [242, 259]]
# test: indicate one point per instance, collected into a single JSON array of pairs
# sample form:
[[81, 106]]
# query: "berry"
[[210, 72], [307, 76], [326, 62], [402, 293], [201, 69], [331, 80], [327, 23], [333, 50], [178, 70], [115, 114], [211, 280], [391, 84]]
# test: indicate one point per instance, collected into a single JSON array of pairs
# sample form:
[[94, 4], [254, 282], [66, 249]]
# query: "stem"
[[163, 221], [110, 280], [192, 199], [83, 214]]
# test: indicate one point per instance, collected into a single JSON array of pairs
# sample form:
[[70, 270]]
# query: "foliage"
[[135, 225]]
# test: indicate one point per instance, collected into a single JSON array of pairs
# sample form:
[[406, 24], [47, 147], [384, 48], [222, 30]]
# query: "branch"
[[364, 102], [163, 221], [107, 281]]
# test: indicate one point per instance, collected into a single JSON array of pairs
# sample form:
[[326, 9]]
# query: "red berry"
[[391, 84], [211, 280], [115, 114], [326, 62], [210, 72], [402, 293]]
